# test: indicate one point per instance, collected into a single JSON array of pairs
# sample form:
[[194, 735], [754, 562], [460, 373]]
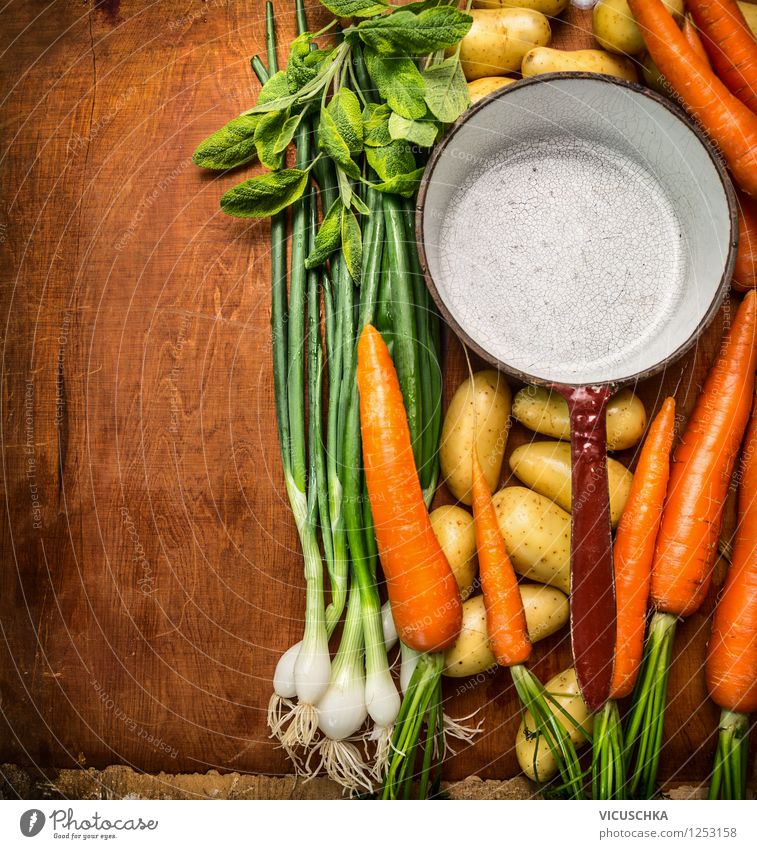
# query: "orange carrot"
[[730, 45], [634, 547], [745, 270], [694, 40], [422, 588], [732, 654], [729, 122], [701, 472], [505, 617]]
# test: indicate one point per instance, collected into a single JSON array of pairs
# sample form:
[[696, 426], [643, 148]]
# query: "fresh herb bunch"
[[360, 104], [380, 93]]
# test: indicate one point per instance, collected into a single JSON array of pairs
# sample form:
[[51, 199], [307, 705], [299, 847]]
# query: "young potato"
[[550, 8], [545, 467], [545, 60], [478, 413], [616, 30], [456, 533], [546, 609], [537, 535], [486, 85], [547, 412], [749, 11], [533, 754], [499, 39]]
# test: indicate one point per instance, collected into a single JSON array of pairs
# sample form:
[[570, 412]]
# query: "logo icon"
[[32, 822]]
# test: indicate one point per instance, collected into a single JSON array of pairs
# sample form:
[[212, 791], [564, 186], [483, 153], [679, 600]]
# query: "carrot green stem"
[[644, 726], [607, 765], [729, 774]]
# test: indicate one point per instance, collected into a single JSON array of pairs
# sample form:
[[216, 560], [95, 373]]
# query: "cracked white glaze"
[[576, 230]]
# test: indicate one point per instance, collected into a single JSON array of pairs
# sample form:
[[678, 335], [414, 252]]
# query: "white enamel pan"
[[578, 232]]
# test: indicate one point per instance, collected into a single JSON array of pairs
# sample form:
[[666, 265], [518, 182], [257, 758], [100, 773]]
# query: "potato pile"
[[534, 519], [513, 36]]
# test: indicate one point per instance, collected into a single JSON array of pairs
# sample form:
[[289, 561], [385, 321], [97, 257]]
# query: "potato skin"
[[545, 60], [487, 400], [499, 39], [478, 89], [546, 609], [615, 28], [537, 535], [542, 767], [545, 467], [547, 412], [454, 529], [550, 8]]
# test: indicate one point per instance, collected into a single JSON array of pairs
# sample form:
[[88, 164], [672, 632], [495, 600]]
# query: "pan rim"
[[720, 169]]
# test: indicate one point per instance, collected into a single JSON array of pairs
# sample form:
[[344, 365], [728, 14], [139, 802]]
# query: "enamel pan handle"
[[592, 585]]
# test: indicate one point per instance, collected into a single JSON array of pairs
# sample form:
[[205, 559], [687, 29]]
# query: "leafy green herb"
[[352, 244], [232, 145], [275, 88], [399, 82], [329, 236], [266, 194], [446, 90], [358, 204], [422, 133], [415, 34], [344, 108], [267, 133], [333, 144], [299, 71], [403, 184], [288, 129], [376, 125], [354, 8], [391, 160]]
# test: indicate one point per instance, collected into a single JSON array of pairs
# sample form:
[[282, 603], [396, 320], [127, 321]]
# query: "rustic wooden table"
[[149, 572]]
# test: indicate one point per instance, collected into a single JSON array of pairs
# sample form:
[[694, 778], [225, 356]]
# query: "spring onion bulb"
[[388, 627], [407, 667]]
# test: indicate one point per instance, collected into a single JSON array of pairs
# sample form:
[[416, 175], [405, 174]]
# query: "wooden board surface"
[[149, 572]]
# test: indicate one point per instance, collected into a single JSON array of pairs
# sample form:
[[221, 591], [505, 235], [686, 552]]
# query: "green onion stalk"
[[608, 766], [359, 265], [644, 724], [729, 773]]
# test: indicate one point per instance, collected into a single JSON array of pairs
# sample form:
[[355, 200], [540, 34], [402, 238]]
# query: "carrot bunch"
[[727, 119], [731, 668], [687, 542], [633, 554]]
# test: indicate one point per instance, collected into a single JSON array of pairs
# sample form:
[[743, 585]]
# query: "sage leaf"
[[391, 160], [299, 72], [399, 82], [446, 90], [415, 34], [344, 108], [329, 236], [422, 133], [358, 204], [345, 188], [352, 244], [354, 8], [270, 127], [266, 194], [232, 145], [288, 129], [403, 184], [275, 88], [376, 125], [332, 143]]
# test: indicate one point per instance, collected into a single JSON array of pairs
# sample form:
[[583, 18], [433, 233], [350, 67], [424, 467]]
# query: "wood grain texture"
[[149, 571]]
